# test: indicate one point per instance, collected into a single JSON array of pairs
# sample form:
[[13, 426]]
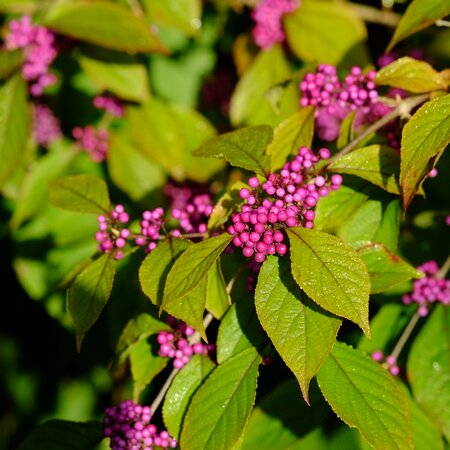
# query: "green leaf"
[[325, 32], [217, 299], [410, 74], [346, 132], [386, 269], [157, 265], [220, 408], [244, 148], [378, 164], [10, 61], [419, 15], [249, 104], [294, 132], [389, 228], [58, 434], [239, 330], [279, 419], [89, 293], [128, 81], [132, 171], [302, 334], [145, 364], [14, 125], [428, 368], [331, 273], [365, 396], [81, 193], [180, 393], [424, 137], [184, 15], [103, 23]]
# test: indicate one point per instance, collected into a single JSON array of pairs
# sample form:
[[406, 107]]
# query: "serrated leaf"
[[364, 395], [428, 368], [278, 421], [131, 170], [15, 120], [103, 23], [81, 193], [249, 105], [244, 148], [410, 74], [294, 132], [220, 408], [386, 269], [157, 265], [424, 137], [419, 15], [58, 434], [331, 273], [325, 32], [126, 80], [89, 293], [378, 164], [301, 333], [239, 330], [180, 393], [145, 364], [217, 299]]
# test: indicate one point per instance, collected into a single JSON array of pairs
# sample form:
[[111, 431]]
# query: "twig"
[[374, 15], [442, 23], [444, 269], [159, 398], [405, 335]]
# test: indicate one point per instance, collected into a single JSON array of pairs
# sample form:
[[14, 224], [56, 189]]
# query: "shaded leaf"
[[220, 408], [346, 132], [364, 395], [81, 193], [331, 273], [302, 334], [244, 148], [424, 137], [217, 299]]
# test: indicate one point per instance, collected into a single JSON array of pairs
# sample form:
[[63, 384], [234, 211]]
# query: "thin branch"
[[442, 23], [405, 335], [161, 394], [374, 15], [444, 269]]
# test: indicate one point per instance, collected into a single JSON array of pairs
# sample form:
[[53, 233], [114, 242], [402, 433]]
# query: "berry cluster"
[[40, 52], [287, 200], [112, 237], [334, 99], [429, 289], [109, 104], [390, 362], [46, 127], [94, 142], [176, 344], [190, 206], [129, 428], [151, 224], [267, 17]]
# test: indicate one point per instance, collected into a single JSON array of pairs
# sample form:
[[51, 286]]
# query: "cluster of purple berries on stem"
[[93, 141], [284, 200], [109, 104], [429, 289], [46, 127], [151, 224], [176, 344], [389, 362], [129, 428]]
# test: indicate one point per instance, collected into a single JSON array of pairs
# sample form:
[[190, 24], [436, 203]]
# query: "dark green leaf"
[[378, 164], [89, 293], [180, 393], [419, 15], [424, 137], [325, 32], [428, 368], [157, 265], [103, 23], [125, 80], [346, 132], [217, 299], [302, 334], [410, 74], [294, 132], [10, 61], [331, 273], [220, 408], [61, 434], [14, 125], [81, 193], [385, 268], [364, 395], [244, 148]]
